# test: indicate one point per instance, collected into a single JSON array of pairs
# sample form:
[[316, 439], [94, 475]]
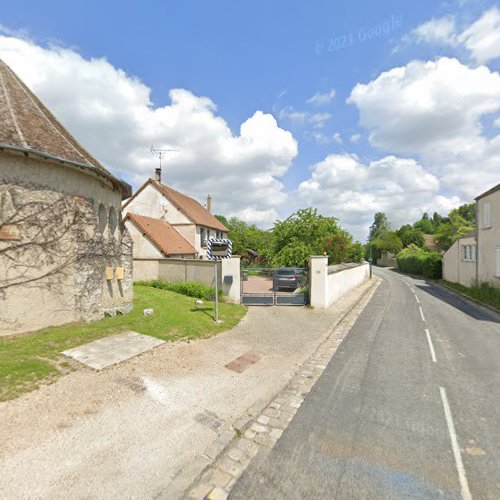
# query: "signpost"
[[218, 249]]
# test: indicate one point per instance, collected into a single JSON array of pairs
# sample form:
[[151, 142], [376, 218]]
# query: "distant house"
[[475, 257], [64, 254], [165, 223], [460, 260]]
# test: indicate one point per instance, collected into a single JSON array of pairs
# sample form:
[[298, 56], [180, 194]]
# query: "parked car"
[[289, 278]]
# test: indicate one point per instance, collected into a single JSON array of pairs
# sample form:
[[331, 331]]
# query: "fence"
[[193, 270], [330, 283]]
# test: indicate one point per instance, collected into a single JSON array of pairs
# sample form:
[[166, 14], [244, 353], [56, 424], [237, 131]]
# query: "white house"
[[475, 258], [167, 224]]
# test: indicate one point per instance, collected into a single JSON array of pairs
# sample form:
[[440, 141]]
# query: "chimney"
[[209, 203], [158, 174]]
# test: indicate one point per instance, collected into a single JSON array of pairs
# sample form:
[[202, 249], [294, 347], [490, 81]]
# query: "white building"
[[176, 225]]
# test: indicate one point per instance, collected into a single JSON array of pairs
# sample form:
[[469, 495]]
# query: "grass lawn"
[[483, 293], [29, 360]]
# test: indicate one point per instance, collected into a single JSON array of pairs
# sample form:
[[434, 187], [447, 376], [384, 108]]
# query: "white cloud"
[[355, 138], [111, 113], [343, 186], [321, 138], [337, 138], [482, 38], [496, 123], [434, 110], [440, 30], [319, 99], [304, 118]]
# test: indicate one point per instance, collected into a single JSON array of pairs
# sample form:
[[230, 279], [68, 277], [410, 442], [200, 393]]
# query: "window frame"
[[486, 222]]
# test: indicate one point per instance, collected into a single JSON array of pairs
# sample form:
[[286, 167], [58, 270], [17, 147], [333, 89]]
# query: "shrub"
[[415, 260], [484, 293], [189, 288]]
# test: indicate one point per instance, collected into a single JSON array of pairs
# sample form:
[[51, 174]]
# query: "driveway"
[[133, 429]]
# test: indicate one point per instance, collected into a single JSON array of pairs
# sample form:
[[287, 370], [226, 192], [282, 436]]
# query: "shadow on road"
[[451, 299]]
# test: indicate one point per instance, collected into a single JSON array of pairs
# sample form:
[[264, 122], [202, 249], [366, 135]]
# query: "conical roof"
[[27, 125]]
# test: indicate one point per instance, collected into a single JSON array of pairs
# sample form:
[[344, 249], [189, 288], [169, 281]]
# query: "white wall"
[[457, 270], [147, 203], [489, 240], [328, 285], [143, 248]]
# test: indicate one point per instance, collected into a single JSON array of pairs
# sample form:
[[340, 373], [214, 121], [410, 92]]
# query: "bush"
[[189, 288], [415, 260]]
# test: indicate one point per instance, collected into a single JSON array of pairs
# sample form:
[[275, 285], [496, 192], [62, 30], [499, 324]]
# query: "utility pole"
[[370, 259]]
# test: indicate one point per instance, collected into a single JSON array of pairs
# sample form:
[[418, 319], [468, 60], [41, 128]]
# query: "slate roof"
[[27, 125], [163, 235], [192, 209]]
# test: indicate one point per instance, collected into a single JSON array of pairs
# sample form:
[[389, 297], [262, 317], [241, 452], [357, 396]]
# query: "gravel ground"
[[128, 430]]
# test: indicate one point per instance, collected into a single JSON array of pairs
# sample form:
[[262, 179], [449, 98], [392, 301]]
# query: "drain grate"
[[240, 364], [208, 419]]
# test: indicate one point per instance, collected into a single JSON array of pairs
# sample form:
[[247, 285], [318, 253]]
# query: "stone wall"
[[53, 265]]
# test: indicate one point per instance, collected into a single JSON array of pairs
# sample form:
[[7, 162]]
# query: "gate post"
[[231, 276], [318, 266]]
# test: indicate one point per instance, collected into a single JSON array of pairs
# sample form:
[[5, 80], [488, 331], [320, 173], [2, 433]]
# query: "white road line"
[[422, 313], [412, 290], [416, 298], [431, 346], [464, 485]]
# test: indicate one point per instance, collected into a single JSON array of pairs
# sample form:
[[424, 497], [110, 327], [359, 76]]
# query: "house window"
[[208, 234], [486, 220], [469, 252], [202, 237]]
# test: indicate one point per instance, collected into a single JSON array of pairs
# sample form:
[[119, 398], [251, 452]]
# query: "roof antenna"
[[158, 153]]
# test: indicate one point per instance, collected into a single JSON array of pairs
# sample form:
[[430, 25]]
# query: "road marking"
[[416, 298], [422, 313], [464, 485], [412, 290], [431, 346]]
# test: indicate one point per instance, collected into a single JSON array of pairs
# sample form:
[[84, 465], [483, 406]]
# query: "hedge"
[[189, 288], [415, 260]]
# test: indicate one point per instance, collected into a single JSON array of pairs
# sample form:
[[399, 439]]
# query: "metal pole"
[[216, 292], [370, 260]]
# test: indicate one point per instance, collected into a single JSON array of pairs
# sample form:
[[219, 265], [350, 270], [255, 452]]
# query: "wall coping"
[[337, 268]]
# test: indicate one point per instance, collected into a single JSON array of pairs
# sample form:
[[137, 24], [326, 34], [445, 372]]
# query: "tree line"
[[290, 242], [433, 233]]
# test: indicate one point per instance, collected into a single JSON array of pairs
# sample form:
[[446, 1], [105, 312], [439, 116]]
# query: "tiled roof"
[[27, 125], [188, 206], [163, 235]]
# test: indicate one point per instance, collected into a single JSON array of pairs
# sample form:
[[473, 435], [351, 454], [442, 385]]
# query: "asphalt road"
[[409, 407]]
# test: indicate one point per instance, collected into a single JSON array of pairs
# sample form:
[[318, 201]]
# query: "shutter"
[[498, 261], [487, 214]]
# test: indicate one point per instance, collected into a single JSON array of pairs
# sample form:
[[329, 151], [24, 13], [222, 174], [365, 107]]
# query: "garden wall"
[[193, 270], [330, 283]]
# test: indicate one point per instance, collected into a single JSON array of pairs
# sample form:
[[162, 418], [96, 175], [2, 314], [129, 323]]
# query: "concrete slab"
[[109, 351]]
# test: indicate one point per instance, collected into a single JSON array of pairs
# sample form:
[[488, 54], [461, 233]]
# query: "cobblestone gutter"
[[231, 455]]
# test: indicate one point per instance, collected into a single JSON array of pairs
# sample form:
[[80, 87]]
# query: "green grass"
[[483, 293], [29, 360]]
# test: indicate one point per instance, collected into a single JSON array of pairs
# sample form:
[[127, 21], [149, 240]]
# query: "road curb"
[[473, 302], [262, 431]]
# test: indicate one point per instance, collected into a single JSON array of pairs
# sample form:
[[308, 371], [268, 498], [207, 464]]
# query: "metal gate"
[[286, 286]]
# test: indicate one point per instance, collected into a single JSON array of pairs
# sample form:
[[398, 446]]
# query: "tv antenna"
[[159, 153]]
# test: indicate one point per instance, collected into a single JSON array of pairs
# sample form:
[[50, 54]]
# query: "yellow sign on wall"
[[120, 273], [109, 273]]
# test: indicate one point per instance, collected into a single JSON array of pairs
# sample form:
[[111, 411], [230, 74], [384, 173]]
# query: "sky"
[[350, 107]]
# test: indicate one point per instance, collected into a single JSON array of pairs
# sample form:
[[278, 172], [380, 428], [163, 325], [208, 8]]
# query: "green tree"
[[446, 234], [467, 212], [338, 247], [425, 225], [409, 235], [380, 224], [388, 241], [299, 236]]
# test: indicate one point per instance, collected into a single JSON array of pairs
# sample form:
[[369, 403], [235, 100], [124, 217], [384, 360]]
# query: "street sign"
[[219, 249]]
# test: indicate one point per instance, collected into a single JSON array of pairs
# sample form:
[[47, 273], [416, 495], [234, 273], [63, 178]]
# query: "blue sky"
[[343, 151]]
